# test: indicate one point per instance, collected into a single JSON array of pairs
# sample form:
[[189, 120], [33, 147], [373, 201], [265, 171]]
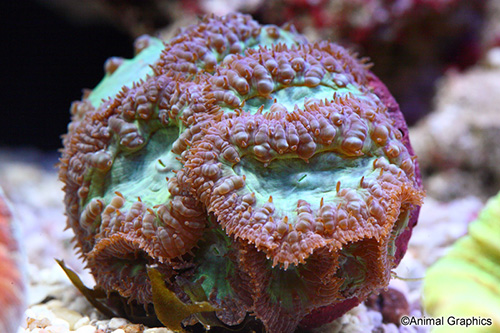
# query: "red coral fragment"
[[12, 289]]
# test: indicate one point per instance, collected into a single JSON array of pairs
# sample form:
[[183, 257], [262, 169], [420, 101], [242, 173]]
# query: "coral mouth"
[[140, 173], [293, 97], [289, 180]]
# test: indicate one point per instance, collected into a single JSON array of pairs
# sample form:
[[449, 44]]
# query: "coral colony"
[[12, 287], [238, 171], [462, 286]]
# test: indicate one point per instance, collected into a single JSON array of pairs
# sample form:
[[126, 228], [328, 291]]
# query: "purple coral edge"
[[326, 314], [383, 93]]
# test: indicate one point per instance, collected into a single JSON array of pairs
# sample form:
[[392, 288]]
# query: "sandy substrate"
[[30, 182]]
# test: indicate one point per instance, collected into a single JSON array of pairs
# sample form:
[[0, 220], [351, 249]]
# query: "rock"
[[457, 144]]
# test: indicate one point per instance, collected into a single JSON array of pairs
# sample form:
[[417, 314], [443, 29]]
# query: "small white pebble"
[[34, 322], [95, 316], [55, 303], [375, 318], [119, 331], [56, 329], [79, 304], [116, 323], [60, 322], [102, 324], [390, 328], [70, 316], [84, 321], [86, 329], [493, 57], [39, 312], [38, 330], [158, 330]]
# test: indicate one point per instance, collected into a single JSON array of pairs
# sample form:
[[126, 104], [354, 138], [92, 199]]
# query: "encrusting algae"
[[248, 169]]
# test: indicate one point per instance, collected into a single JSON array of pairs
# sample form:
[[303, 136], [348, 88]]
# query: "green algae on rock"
[[465, 283], [253, 170]]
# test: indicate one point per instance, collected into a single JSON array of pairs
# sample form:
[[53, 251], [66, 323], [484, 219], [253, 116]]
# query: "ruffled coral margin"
[[227, 101], [352, 216]]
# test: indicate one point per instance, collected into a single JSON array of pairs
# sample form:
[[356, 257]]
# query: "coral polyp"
[[248, 168]]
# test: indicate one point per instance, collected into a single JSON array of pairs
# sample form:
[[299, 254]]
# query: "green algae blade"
[[90, 294], [169, 309]]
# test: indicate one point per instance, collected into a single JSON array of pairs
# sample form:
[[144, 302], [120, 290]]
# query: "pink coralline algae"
[[12, 289], [249, 169]]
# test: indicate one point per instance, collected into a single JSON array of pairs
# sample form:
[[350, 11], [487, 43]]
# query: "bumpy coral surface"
[[253, 170], [12, 287]]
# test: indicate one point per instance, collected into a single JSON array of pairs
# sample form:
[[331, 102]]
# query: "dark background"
[[49, 57], [46, 62]]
